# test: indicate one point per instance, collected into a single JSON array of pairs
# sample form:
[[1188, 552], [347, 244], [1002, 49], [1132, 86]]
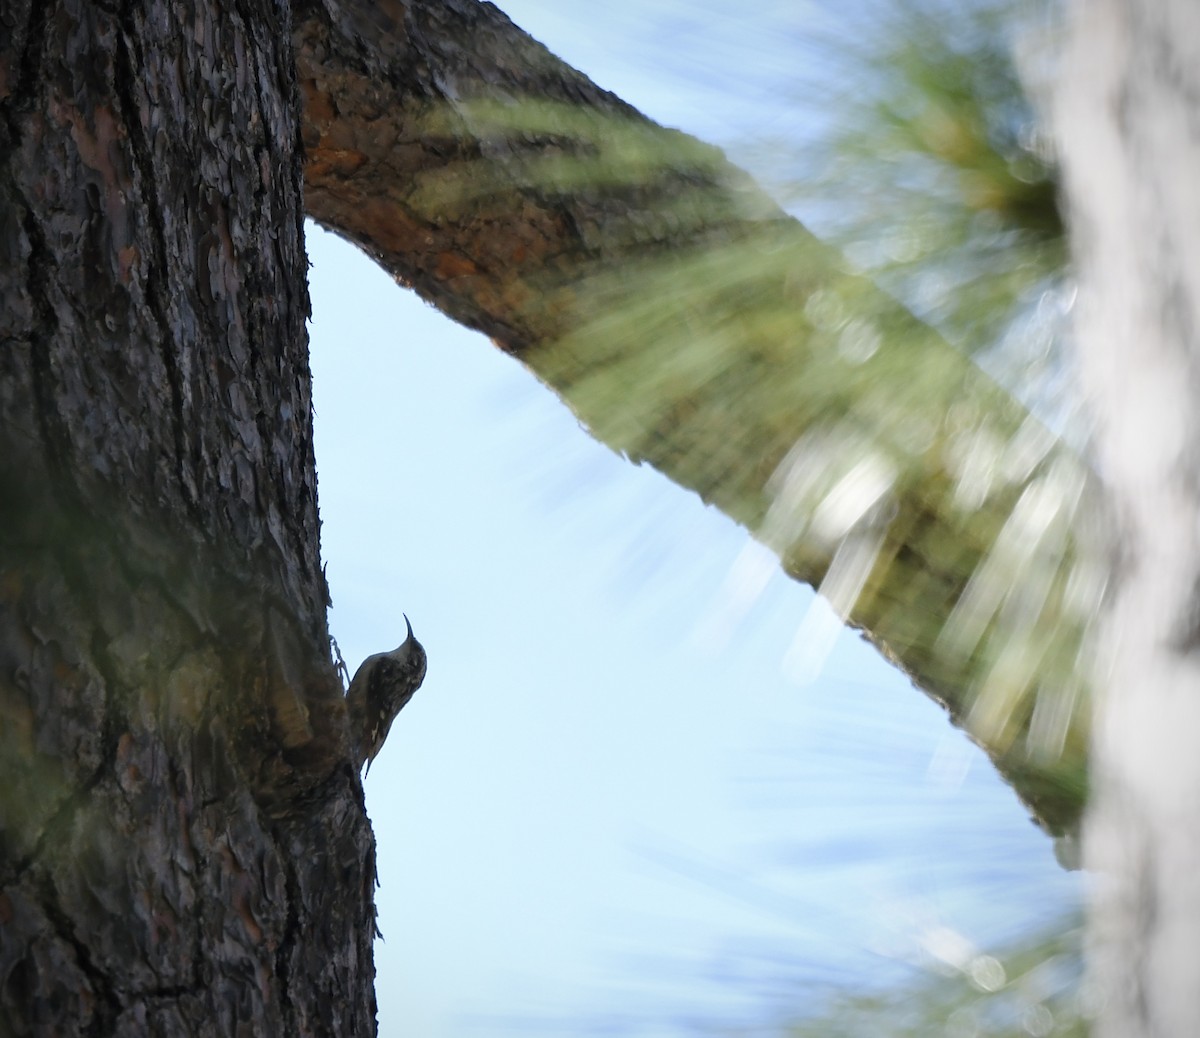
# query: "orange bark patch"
[[318, 108], [454, 265], [334, 162]]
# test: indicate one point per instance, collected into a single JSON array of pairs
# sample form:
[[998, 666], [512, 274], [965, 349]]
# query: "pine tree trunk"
[[183, 847], [1128, 119]]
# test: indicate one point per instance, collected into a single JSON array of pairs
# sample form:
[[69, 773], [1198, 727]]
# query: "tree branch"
[[691, 324]]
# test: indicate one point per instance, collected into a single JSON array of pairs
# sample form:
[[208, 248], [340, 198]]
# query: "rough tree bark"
[[183, 848], [1129, 111], [184, 845]]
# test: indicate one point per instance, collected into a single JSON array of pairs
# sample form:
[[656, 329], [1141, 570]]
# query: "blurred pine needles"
[[933, 169], [1031, 989]]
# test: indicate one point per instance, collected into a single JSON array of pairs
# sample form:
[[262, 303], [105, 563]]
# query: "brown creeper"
[[381, 687]]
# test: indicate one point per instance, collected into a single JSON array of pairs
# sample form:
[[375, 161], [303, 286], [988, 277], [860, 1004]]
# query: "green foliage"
[[1030, 990], [935, 171]]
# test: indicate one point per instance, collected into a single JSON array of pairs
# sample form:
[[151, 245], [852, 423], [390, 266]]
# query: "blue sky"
[[612, 796]]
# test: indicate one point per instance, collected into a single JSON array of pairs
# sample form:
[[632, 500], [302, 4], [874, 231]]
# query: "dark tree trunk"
[[184, 848]]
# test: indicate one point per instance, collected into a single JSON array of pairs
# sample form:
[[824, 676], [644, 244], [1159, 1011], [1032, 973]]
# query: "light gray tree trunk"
[[1129, 121]]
